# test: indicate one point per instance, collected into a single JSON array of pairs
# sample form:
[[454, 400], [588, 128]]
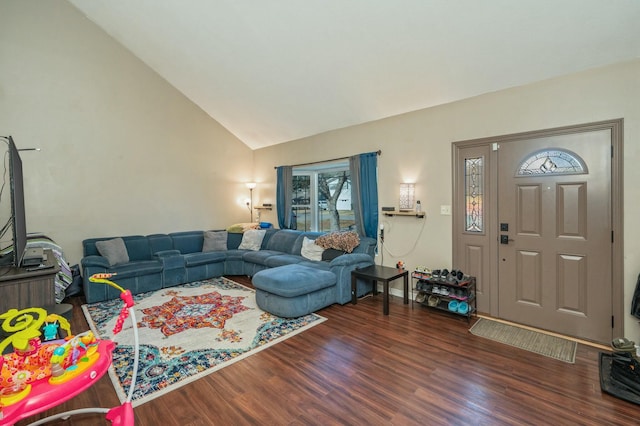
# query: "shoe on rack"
[[421, 297], [622, 344]]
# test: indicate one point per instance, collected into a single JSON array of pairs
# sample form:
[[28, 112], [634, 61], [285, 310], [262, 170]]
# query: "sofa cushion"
[[215, 241], [283, 259], [188, 241], [293, 280], [325, 266], [137, 268], [138, 248], [113, 250], [235, 255], [252, 239], [160, 242], [283, 241], [202, 258], [259, 257], [310, 250], [267, 236]]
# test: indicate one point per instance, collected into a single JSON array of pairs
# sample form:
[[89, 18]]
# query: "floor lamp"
[[251, 185]]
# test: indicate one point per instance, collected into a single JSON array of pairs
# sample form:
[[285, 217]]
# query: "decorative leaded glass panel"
[[552, 162], [474, 194]]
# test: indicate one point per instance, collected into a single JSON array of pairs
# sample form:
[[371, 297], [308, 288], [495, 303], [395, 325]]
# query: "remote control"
[[42, 266]]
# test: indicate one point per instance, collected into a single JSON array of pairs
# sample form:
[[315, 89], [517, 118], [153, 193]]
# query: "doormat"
[[187, 332], [533, 341]]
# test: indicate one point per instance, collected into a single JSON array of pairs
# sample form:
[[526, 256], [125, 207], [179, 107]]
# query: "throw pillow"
[[345, 241], [114, 250], [330, 254], [214, 241], [239, 228], [310, 250], [252, 239]]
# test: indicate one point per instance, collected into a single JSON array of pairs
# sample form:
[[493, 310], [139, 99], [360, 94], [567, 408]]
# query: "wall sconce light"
[[250, 185], [407, 195]]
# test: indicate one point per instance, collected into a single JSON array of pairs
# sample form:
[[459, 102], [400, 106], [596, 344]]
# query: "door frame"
[[616, 127]]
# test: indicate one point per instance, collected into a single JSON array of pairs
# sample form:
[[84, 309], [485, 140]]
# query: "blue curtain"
[[364, 192], [284, 193]]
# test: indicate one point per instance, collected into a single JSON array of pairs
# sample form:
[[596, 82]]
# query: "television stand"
[[22, 288]]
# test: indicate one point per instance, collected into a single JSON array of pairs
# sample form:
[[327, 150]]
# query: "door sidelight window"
[[474, 194]]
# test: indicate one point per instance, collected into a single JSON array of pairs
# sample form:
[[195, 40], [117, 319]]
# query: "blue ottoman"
[[292, 291]]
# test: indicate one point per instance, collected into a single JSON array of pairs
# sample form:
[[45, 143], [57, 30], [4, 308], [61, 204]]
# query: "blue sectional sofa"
[[165, 260]]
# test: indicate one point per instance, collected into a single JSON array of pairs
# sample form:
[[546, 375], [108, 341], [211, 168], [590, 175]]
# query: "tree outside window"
[[322, 198]]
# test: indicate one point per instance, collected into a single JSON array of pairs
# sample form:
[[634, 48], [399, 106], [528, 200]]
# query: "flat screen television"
[[17, 220]]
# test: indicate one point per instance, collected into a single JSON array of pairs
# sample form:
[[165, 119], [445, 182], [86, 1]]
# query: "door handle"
[[504, 239]]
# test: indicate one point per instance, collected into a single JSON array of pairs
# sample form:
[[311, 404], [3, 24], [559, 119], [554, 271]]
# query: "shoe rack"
[[445, 292]]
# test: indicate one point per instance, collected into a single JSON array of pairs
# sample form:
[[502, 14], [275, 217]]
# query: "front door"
[[555, 233]]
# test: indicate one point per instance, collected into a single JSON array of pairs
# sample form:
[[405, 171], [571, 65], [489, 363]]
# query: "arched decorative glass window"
[[552, 161]]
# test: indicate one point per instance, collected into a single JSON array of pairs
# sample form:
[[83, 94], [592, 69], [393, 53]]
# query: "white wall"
[[417, 147], [122, 151]]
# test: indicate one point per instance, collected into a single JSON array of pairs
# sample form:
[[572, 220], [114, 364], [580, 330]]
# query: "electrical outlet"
[[445, 210]]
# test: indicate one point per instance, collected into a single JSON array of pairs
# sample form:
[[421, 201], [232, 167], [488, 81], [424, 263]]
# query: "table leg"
[[385, 299], [406, 288], [354, 299]]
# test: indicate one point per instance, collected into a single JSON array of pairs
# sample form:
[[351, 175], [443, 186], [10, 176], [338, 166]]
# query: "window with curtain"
[[335, 195], [321, 198]]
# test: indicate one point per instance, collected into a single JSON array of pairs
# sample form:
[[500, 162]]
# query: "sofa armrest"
[[342, 267], [167, 253], [171, 259], [95, 261], [350, 259]]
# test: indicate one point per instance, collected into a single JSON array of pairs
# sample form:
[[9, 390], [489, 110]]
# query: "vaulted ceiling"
[[273, 71]]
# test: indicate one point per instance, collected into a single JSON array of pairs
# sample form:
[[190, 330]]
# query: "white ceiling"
[[272, 71]]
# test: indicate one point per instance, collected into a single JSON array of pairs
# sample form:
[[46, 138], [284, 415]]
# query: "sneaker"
[[622, 344], [433, 301]]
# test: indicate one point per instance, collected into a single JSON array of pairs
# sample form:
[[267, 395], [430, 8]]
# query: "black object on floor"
[[612, 386], [75, 288]]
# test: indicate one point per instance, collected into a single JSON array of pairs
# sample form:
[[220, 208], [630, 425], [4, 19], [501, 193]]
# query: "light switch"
[[445, 210]]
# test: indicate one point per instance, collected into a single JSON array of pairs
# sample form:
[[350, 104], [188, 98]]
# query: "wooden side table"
[[377, 273], [22, 288]]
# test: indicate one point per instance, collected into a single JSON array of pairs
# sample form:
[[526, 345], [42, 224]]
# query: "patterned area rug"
[[188, 332], [530, 340]]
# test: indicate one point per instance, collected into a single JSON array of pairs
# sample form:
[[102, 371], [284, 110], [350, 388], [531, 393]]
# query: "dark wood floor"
[[359, 367]]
